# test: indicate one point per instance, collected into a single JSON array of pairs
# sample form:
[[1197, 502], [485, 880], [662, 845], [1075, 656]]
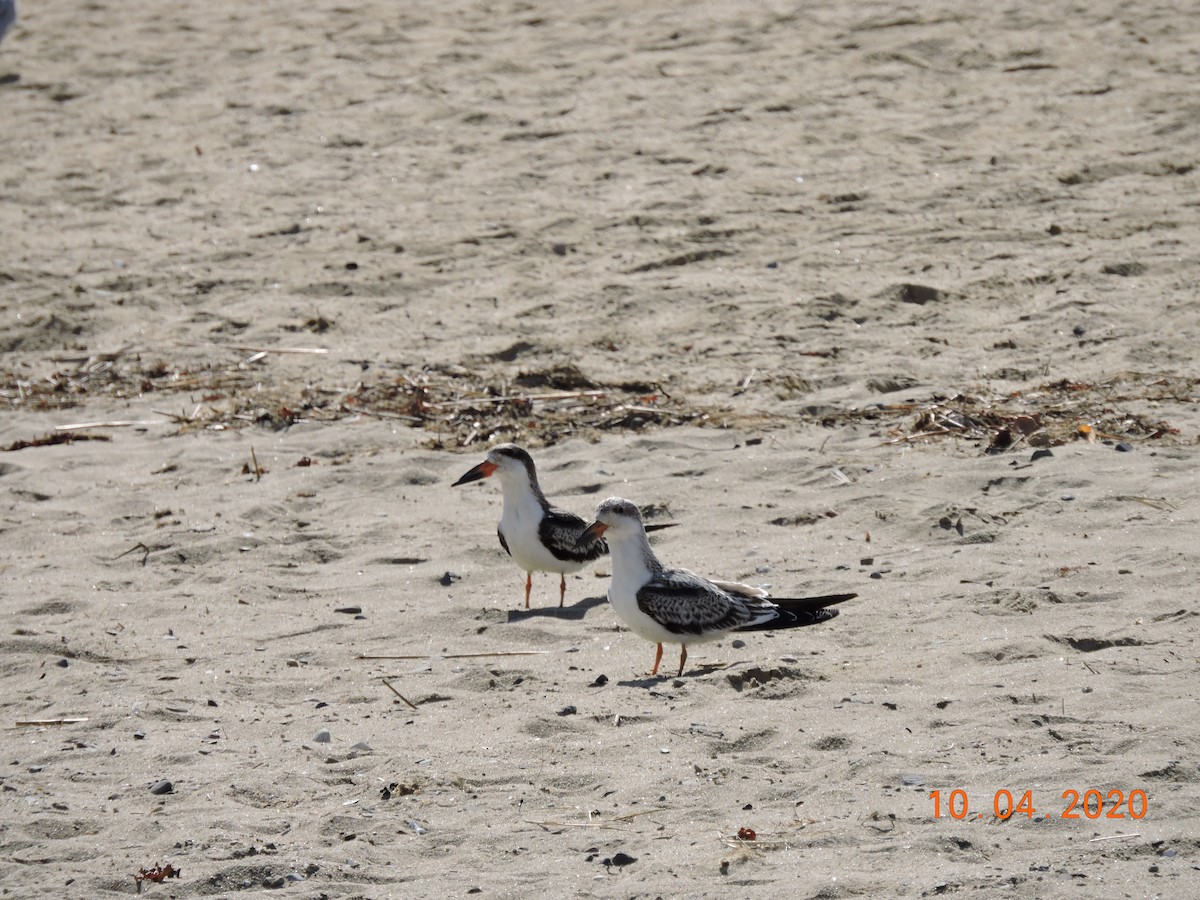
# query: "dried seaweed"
[[1050, 414], [459, 407]]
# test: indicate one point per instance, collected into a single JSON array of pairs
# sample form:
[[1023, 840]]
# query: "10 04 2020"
[[1089, 803]]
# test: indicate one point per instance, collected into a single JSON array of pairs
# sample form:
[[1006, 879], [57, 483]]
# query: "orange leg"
[[528, 585], [682, 657], [657, 660], [562, 588]]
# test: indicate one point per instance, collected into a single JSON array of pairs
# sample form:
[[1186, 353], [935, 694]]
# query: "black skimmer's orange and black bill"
[[675, 606], [538, 536]]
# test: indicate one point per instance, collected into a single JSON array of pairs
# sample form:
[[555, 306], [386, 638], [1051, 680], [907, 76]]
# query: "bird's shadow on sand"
[[674, 680], [576, 611], [649, 681]]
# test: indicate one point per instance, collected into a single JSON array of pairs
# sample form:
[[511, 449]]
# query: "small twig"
[[629, 817], [457, 655], [388, 685], [551, 823], [95, 357], [138, 546], [257, 469], [23, 723], [1115, 837], [380, 413], [82, 425], [1161, 503], [912, 437], [177, 418], [745, 383], [526, 398], [316, 350]]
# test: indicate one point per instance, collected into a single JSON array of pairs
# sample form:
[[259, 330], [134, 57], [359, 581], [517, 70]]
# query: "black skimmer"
[[538, 536], [679, 607]]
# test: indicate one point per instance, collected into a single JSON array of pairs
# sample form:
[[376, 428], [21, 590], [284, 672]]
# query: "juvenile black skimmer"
[[538, 536], [679, 607]]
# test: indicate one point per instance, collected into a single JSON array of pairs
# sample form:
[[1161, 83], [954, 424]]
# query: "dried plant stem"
[[457, 655], [388, 685]]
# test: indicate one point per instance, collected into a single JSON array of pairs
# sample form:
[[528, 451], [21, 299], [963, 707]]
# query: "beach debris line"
[[1041, 416], [459, 406]]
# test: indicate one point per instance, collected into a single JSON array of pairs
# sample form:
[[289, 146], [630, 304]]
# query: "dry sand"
[[817, 257]]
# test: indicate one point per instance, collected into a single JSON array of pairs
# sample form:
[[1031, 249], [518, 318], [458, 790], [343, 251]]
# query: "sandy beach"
[[894, 300]]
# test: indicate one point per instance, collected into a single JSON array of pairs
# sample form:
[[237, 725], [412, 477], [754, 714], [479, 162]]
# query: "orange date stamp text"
[[1088, 804]]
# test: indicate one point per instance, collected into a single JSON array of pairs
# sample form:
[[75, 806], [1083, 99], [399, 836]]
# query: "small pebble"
[[567, 711], [621, 859], [139, 735], [62, 663], [738, 644], [1124, 447], [162, 787], [1068, 497], [601, 681], [449, 578], [349, 610], [1040, 454], [416, 827], [322, 736], [867, 561]]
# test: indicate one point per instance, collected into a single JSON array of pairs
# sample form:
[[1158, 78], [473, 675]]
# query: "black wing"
[[503, 542], [559, 530], [688, 604]]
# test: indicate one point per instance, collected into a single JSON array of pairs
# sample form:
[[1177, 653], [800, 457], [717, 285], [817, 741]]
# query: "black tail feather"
[[797, 612]]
